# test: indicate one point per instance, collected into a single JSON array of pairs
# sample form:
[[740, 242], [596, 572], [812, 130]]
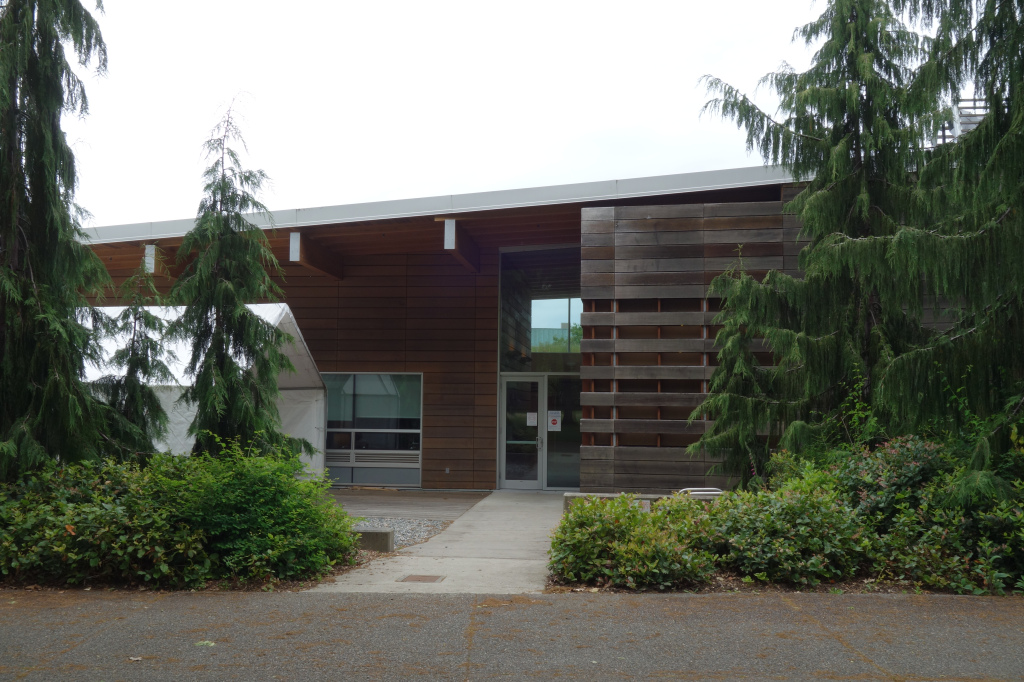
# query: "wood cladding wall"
[[648, 332], [416, 313]]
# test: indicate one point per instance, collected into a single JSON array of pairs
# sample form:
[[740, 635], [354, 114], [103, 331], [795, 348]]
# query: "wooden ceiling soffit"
[[461, 245], [314, 255]]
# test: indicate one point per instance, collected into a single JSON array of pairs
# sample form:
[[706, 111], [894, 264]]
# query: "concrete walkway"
[[499, 546]]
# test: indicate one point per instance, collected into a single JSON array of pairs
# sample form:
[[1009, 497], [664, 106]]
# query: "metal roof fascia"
[[605, 190], [374, 210], [534, 196], [703, 181]]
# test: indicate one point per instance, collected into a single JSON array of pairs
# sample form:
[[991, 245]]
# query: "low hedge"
[[615, 541], [790, 535], [179, 521], [885, 514]]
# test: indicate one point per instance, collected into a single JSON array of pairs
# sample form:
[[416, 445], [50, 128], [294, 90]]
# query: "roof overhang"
[[453, 204]]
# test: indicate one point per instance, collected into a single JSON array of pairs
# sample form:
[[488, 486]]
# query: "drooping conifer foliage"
[[972, 253], [236, 355], [139, 363], [46, 408], [899, 231], [853, 127]]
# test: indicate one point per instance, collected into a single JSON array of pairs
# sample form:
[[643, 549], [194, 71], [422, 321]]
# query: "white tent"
[[303, 399]]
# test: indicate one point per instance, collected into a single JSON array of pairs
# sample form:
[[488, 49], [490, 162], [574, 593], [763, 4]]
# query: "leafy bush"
[[616, 541], [890, 512], [789, 535], [655, 556], [259, 517], [933, 547], [1003, 525], [179, 521], [873, 480], [96, 521], [581, 546]]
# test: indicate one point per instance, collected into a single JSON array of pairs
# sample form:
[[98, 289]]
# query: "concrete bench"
[[376, 539]]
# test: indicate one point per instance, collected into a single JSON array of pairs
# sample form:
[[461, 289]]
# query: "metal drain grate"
[[421, 579]]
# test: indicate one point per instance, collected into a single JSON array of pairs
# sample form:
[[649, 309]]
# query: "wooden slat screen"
[[648, 332]]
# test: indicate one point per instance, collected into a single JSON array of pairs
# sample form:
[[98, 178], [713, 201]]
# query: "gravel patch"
[[407, 531]]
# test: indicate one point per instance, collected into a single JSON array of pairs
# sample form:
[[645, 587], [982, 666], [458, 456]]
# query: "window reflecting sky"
[[553, 313]]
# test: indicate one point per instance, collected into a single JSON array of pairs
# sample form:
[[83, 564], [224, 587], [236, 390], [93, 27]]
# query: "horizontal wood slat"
[[643, 399], [649, 347], [640, 426]]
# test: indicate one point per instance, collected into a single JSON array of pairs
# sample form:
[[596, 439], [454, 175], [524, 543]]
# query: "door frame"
[[542, 429]]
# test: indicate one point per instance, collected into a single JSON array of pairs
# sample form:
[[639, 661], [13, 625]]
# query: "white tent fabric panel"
[[179, 416], [306, 374], [302, 403], [303, 414]]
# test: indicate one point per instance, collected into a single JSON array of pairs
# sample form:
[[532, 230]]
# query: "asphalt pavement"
[[99, 635]]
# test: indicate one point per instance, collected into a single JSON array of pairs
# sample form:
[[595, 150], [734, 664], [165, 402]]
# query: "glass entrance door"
[[540, 439], [563, 439], [522, 441]]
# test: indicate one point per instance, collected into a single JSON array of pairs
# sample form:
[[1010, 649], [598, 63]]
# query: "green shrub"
[[949, 548], [95, 521], [581, 546], [259, 517], [876, 481], [789, 535], [179, 521], [1003, 525], [688, 518], [655, 556], [615, 540], [932, 547]]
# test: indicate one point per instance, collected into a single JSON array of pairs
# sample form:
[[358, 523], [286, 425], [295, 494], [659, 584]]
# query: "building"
[[553, 337]]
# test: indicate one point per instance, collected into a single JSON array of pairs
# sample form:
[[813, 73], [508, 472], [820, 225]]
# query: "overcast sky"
[[344, 102]]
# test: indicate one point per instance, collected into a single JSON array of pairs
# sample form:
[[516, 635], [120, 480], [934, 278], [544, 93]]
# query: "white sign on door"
[[554, 420], [531, 418]]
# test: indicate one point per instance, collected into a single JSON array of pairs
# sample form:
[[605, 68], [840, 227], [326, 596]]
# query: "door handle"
[[540, 443]]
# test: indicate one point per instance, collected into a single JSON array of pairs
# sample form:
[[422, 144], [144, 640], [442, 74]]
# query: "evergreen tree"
[[971, 255], [853, 127], [46, 408], [137, 417], [236, 355]]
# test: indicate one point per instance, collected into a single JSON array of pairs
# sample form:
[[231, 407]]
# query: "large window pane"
[[340, 392], [373, 428], [387, 401], [564, 445], [540, 311], [555, 325], [339, 440]]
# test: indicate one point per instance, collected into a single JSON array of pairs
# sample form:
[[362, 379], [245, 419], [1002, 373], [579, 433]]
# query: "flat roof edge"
[[453, 204]]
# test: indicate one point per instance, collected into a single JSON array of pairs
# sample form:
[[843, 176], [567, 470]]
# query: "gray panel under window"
[[385, 476], [339, 475]]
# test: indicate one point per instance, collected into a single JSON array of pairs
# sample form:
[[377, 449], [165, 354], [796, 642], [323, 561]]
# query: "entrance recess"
[[540, 434]]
